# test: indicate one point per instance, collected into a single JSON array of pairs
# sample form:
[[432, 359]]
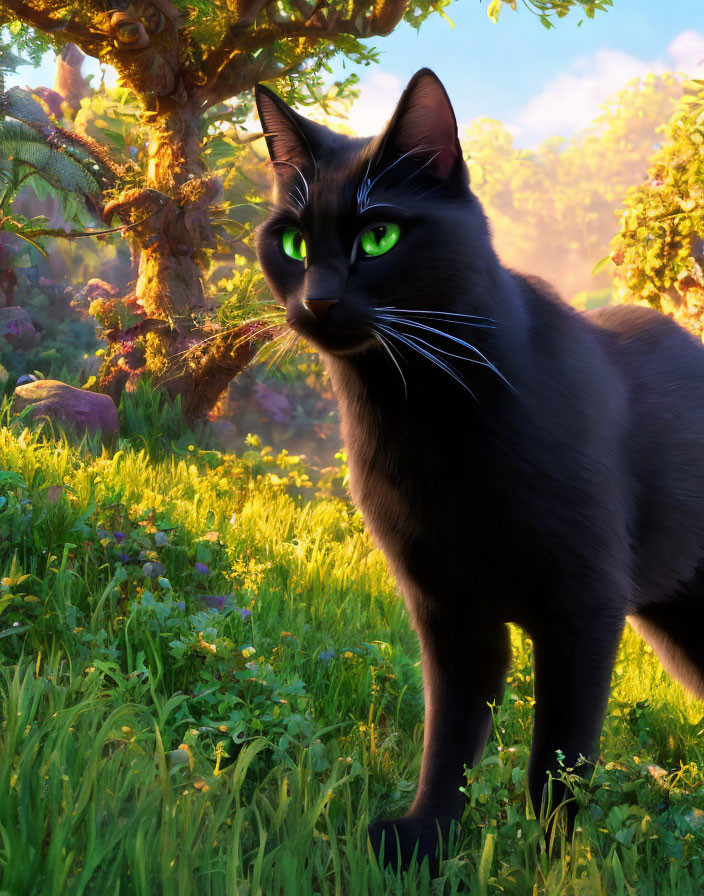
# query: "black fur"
[[564, 493]]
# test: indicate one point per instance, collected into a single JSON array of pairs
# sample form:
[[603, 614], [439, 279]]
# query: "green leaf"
[[485, 865], [601, 265]]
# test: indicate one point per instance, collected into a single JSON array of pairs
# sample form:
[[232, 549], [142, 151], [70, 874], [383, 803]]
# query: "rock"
[[16, 325], [274, 405], [78, 409]]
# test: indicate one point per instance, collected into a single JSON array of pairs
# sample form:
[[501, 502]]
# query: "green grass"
[[209, 685]]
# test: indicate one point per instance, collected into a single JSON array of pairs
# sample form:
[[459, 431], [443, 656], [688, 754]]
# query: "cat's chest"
[[409, 475]]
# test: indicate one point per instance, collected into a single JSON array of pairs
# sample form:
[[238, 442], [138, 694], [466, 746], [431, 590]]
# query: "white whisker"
[[413, 173], [449, 354], [382, 205], [296, 168], [408, 340], [449, 314], [385, 345], [472, 348], [400, 318]]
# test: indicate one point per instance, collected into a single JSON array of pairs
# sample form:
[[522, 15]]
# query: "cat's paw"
[[402, 838]]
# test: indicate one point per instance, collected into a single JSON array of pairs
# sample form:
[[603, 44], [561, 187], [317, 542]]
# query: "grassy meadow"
[[209, 685]]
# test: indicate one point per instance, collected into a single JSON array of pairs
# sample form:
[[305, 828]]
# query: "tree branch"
[[246, 13], [242, 72], [232, 68], [91, 42], [145, 52]]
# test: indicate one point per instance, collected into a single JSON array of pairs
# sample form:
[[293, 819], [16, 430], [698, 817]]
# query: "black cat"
[[516, 461]]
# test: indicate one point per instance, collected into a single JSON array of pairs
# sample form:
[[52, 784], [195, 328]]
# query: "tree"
[[660, 248], [182, 60]]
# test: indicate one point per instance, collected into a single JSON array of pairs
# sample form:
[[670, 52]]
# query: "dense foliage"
[[660, 250]]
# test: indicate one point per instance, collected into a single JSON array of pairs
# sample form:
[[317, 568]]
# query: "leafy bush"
[[660, 249]]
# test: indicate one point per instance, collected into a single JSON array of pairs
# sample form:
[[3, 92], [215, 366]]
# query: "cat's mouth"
[[332, 334]]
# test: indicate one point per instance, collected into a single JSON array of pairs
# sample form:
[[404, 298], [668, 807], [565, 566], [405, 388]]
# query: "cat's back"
[[662, 367], [659, 360], [638, 330]]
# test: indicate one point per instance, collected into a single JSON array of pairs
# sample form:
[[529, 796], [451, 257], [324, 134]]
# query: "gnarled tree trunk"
[[173, 208]]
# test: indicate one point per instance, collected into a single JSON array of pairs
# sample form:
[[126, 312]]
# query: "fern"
[[21, 143], [20, 104]]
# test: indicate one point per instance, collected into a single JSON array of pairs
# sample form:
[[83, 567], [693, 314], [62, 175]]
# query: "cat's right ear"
[[424, 127], [288, 139]]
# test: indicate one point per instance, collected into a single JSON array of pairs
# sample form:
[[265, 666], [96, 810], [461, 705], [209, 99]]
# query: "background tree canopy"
[[553, 209]]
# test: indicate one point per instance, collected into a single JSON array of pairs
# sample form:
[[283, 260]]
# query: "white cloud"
[[379, 94], [686, 52], [574, 98]]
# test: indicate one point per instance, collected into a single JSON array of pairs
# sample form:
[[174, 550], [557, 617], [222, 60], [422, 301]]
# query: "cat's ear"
[[288, 135], [424, 127]]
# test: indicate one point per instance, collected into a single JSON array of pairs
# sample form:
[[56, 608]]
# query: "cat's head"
[[362, 224]]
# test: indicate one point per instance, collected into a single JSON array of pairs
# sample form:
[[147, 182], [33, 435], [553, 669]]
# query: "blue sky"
[[540, 83]]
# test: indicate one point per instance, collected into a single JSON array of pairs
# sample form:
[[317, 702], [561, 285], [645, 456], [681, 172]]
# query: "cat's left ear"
[[424, 127]]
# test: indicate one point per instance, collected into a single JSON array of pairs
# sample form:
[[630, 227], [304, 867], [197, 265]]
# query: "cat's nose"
[[320, 307]]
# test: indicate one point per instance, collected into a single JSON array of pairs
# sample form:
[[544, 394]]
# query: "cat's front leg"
[[573, 664], [464, 665]]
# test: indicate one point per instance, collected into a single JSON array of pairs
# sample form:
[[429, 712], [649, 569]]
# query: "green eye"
[[377, 240], [293, 244]]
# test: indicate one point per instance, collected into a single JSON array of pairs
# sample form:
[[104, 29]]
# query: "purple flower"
[[214, 601], [118, 536], [327, 655], [125, 558], [202, 569], [245, 613]]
